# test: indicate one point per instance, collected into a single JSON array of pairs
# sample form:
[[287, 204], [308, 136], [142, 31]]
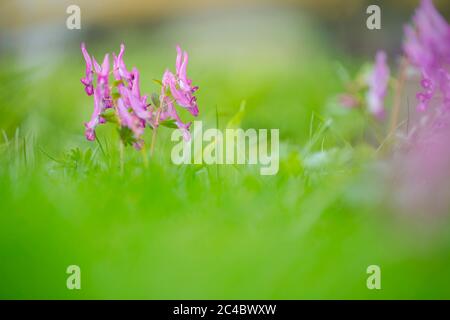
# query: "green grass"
[[197, 232]]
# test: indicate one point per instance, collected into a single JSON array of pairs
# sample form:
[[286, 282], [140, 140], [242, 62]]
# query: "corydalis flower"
[[134, 100], [96, 118], [131, 121], [120, 70], [131, 108], [169, 112], [178, 88], [180, 85], [103, 81], [102, 93], [378, 81], [133, 111], [427, 47], [183, 94]]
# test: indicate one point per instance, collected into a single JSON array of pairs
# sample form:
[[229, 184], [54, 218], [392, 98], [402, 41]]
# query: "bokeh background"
[[166, 232]]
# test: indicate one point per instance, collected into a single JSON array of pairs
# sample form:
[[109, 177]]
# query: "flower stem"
[[144, 155], [122, 156], [155, 129], [398, 95]]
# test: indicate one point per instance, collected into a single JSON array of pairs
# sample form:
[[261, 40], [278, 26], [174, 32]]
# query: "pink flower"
[[102, 97], [420, 172], [103, 81], [378, 82], [427, 46], [130, 106], [136, 103], [132, 109], [171, 113], [130, 120], [120, 70], [132, 98], [422, 161], [348, 100], [167, 104], [180, 86]]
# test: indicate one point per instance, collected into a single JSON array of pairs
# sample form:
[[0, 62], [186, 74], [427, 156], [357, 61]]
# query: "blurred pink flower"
[[378, 81], [348, 100], [422, 161], [427, 46], [420, 171]]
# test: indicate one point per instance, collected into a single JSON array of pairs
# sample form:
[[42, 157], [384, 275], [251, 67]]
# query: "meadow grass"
[[197, 232]]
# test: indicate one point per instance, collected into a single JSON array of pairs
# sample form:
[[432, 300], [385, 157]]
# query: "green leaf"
[[109, 117], [116, 83], [235, 122], [158, 82], [75, 155], [126, 135], [169, 123], [155, 99], [87, 156], [115, 95]]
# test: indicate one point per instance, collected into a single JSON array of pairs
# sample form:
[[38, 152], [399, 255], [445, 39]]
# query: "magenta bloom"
[[132, 108], [120, 70], [103, 81], [169, 112], [184, 95], [348, 100], [95, 118], [180, 85], [102, 96], [422, 161], [129, 87], [378, 82], [131, 121], [131, 96], [427, 46], [177, 88], [167, 103]]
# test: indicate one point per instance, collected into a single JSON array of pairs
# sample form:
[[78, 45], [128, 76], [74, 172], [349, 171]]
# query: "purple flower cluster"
[[427, 47], [131, 109]]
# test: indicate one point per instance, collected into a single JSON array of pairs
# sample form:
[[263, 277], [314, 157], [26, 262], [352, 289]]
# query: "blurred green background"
[[199, 232]]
